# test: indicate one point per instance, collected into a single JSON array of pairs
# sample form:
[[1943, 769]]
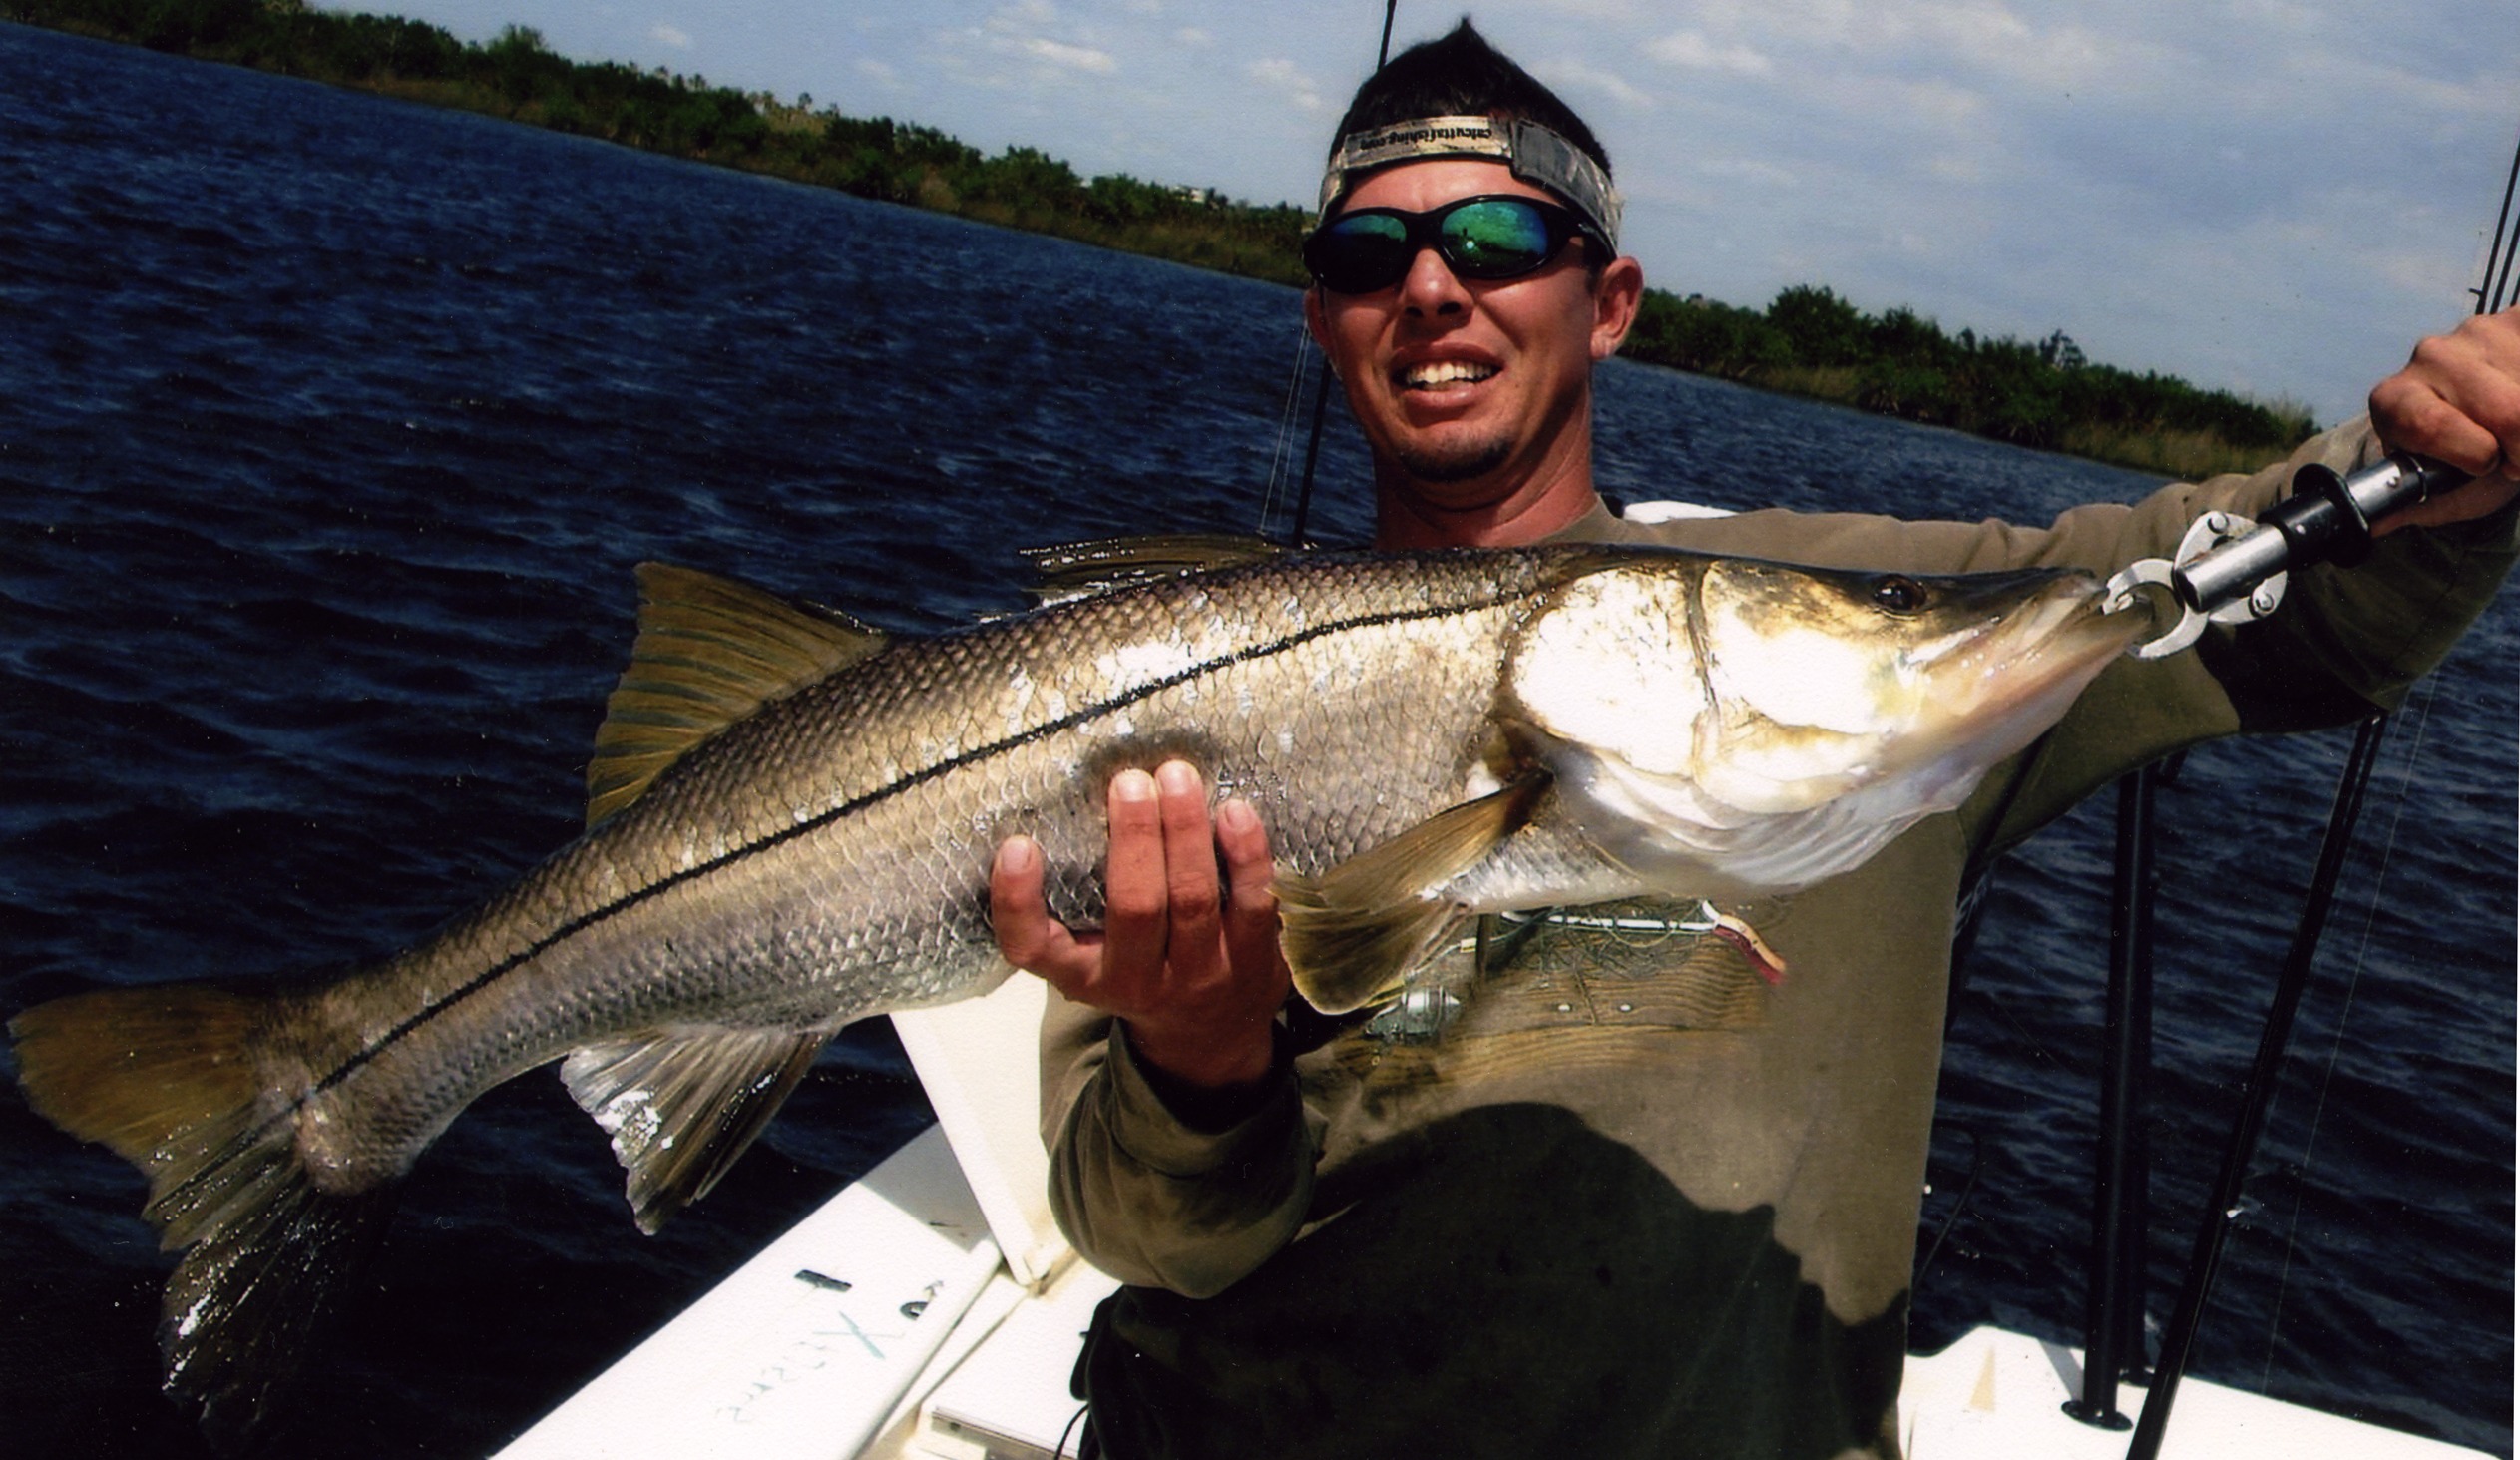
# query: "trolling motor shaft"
[[2229, 571]]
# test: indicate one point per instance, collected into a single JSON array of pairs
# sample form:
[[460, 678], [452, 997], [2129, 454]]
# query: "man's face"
[[1475, 392]]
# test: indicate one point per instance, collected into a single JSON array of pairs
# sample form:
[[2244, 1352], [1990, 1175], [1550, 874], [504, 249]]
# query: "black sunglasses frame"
[[1423, 230]]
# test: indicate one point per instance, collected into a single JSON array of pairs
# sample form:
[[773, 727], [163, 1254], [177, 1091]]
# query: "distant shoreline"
[[1807, 341]]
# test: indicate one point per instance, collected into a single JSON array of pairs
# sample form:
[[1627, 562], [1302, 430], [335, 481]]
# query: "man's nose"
[[1429, 287]]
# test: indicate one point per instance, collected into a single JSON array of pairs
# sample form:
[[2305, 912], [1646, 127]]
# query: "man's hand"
[[2458, 403], [1190, 964]]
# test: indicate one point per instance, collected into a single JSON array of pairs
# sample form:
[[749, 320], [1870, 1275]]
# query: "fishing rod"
[[2328, 518], [1320, 391]]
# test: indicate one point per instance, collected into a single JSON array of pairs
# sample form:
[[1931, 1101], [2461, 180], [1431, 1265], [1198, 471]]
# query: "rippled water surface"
[[330, 430]]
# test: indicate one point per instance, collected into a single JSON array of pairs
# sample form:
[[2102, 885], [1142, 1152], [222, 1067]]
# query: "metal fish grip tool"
[[2229, 570]]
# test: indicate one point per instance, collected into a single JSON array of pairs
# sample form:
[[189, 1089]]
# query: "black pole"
[[2489, 292], [2113, 1322], [2222, 1210], [1320, 395], [1312, 455]]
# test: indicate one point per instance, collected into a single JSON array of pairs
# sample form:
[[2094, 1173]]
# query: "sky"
[[2275, 196]]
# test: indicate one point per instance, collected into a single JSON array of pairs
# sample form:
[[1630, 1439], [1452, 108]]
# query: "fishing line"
[[1282, 444], [2423, 717]]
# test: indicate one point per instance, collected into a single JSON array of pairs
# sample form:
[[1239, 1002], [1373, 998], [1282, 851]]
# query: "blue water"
[[330, 430]]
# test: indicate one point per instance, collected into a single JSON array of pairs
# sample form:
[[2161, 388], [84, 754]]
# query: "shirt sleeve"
[[1157, 1195]]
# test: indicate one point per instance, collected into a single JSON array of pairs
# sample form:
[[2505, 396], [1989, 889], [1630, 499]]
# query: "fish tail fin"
[[168, 1079]]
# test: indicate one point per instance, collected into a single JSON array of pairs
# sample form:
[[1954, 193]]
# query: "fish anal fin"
[[680, 1106], [1355, 932], [711, 651]]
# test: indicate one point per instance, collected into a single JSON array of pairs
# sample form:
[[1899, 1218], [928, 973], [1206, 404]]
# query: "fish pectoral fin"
[[1355, 932], [1105, 565], [681, 1106], [709, 651]]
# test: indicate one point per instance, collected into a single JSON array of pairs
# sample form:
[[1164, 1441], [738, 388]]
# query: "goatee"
[[1459, 464]]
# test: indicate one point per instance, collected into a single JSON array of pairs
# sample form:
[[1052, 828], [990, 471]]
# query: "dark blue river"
[[330, 430]]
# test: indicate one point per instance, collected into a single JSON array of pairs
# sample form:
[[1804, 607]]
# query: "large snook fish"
[[791, 823]]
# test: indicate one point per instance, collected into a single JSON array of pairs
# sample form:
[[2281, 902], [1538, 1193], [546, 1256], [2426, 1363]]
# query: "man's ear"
[[1317, 324], [1616, 300]]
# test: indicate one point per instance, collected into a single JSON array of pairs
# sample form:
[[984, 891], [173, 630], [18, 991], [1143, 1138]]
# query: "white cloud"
[[1575, 76], [1594, 10], [678, 39], [1939, 100], [1905, 36], [1279, 74], [1692, 50], [1191, 35], [1081, 58], [1748, 170]]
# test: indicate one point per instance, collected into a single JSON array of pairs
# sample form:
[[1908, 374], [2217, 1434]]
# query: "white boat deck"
[[891, 1325]]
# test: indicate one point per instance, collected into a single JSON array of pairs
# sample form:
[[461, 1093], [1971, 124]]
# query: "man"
[[1666, 1211]]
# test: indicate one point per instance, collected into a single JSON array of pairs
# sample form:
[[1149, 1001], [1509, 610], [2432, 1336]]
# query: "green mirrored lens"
[[1370, 227], [1360, 252], [1494, 237]]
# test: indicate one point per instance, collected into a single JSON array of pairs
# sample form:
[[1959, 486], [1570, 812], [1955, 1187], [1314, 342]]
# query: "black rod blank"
[[2222, 1211]]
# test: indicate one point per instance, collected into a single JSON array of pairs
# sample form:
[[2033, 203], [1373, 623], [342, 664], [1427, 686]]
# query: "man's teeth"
[[1443, 373]]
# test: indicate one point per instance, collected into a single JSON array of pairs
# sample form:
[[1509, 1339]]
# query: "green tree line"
[[1807, 340], [2045, 395]]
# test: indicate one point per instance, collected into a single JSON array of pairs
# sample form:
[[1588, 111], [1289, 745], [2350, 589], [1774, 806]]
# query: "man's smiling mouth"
[[1437, 374]]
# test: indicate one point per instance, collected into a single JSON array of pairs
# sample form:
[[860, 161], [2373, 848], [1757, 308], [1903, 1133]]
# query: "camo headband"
[[1537, 156]]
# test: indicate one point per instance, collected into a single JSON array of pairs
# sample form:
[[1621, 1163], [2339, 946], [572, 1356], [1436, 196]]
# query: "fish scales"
[[792, 872]]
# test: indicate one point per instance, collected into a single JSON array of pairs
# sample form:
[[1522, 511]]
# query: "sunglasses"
[[1491, 237]]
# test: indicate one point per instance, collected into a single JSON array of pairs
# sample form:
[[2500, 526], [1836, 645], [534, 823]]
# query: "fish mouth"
[[2023, 672]]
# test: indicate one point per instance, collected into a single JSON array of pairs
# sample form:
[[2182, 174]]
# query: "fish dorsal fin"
[[1106, 564], [711, 651], [681, 1106], [1353, 935]]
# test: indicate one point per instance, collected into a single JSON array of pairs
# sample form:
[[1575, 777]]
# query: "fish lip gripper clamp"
[[2228, 570]]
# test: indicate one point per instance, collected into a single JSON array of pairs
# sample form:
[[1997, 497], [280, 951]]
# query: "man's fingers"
[[1135, 892], [1181, 942], [1251, 906], [1191, 895], [2458, 399], [1028, 936]]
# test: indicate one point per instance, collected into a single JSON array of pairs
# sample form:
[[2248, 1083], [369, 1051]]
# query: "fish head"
[[1768, 725], [1822, 683]]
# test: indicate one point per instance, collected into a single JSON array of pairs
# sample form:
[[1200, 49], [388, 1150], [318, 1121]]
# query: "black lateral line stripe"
[[370, 1052]]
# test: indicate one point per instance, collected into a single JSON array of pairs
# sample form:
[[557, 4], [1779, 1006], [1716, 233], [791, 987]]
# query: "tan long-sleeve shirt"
[[1623, 1196]]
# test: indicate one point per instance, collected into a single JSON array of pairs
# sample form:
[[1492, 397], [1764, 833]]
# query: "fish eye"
[[1898, 594]]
